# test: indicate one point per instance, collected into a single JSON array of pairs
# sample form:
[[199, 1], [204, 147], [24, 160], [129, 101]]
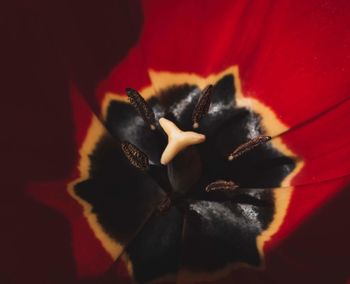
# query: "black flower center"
[[205, 209]]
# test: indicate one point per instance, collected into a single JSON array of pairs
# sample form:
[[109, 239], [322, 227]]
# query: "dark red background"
[[47, 44]]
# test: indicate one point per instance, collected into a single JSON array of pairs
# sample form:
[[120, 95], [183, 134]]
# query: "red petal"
[[295, 57], [323, 144]]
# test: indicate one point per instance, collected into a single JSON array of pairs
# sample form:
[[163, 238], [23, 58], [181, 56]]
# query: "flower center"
[[181, 157]]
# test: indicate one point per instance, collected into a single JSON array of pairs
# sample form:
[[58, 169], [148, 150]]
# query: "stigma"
[[178, 140]]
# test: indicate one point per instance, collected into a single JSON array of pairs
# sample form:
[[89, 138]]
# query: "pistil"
[[178, 140]]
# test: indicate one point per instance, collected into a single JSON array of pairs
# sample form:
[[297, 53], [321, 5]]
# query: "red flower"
[[291, 60]]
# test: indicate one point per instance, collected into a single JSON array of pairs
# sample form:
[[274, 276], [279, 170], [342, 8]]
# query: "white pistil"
[[178, 140]]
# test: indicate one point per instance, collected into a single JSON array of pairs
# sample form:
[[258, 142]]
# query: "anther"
[[164, 205], [144, 110], [251, 144], [221, 185], [202, 106], [136, 157]]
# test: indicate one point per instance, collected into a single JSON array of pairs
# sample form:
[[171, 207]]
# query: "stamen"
[[202, 106], [240, 150], [221, 185], [164, 205], [142, 107], [136, 157]]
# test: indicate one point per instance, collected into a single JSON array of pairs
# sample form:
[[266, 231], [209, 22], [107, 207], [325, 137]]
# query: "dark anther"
[[142, 107], [221, 185], [202, 106], [251, 144], [136, 157], [164, 205]]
